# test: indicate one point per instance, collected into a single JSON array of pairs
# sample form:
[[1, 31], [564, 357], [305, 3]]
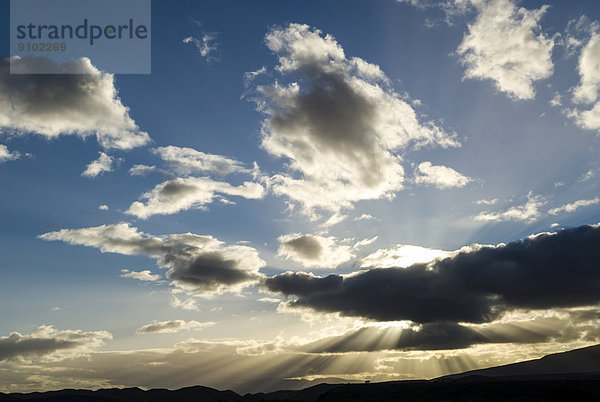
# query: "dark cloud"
[[305, 246], [207, 270], [476, 285], [303, 284], [197, 263], [83, 102], [46, 340]]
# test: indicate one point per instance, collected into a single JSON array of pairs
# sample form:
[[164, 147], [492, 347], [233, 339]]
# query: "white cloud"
[[206, 45], [103, 207], [201, 265], [487, 202], [571, 207], [364, 217], [589, 71], [144, 275], [188, 304], [6, 155], [313, 251], [587, 90], [403, 255], [587, 175], [341, 132], [141, 170], [556, 101], [187, 161], [505, 45], [441, 177], [99, 166], [172, 326], [182, 194], [54, 104], [528, 212]]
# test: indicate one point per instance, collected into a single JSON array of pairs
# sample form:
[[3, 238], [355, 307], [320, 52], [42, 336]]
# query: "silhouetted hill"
[[572, 375], [558, 365]]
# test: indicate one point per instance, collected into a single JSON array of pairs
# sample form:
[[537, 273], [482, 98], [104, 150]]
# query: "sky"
[[304, 191]]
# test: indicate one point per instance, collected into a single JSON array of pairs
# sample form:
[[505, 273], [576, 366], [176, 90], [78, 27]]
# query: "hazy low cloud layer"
[[172, 326], [200, 264], [476, 285], [46, 340], [505, 44], [84, 104], [341, 128]]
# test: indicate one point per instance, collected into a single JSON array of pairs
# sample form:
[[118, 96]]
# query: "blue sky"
[[292, 141]]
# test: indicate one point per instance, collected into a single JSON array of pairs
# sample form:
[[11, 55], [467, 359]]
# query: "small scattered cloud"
[[182, 194], [145, 275], [314, 251], [6, 155], [99, 166], [187, 161], [506, 44], [441, 177], [487, 202], [103, 207], [571, 207], [528, 212], [207, 45], [587, 175], [172, 326], [364, 217], [141, 170]]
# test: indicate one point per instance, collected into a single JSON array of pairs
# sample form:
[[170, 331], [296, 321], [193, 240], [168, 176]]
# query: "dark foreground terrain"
[[568, 376]]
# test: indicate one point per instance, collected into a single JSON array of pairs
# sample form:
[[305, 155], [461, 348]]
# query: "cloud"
[[202, 265], [103, 207], [364, 217], [476, 285], [571, 207], [313, 251], [403, 255], [586, 93], [99, 166], [505, 44], [53, 104], [173, 326], [340, 129], [441, 177], [182, 194], [440, 336], [528, 212], [141, 170], [206, 45], [589, 71], [487, 202], [46, 340], [144, 275], [187, 161], [587, 175], [6, 155]]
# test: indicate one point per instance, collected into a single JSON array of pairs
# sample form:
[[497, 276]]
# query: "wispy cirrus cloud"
[[172, 326]]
